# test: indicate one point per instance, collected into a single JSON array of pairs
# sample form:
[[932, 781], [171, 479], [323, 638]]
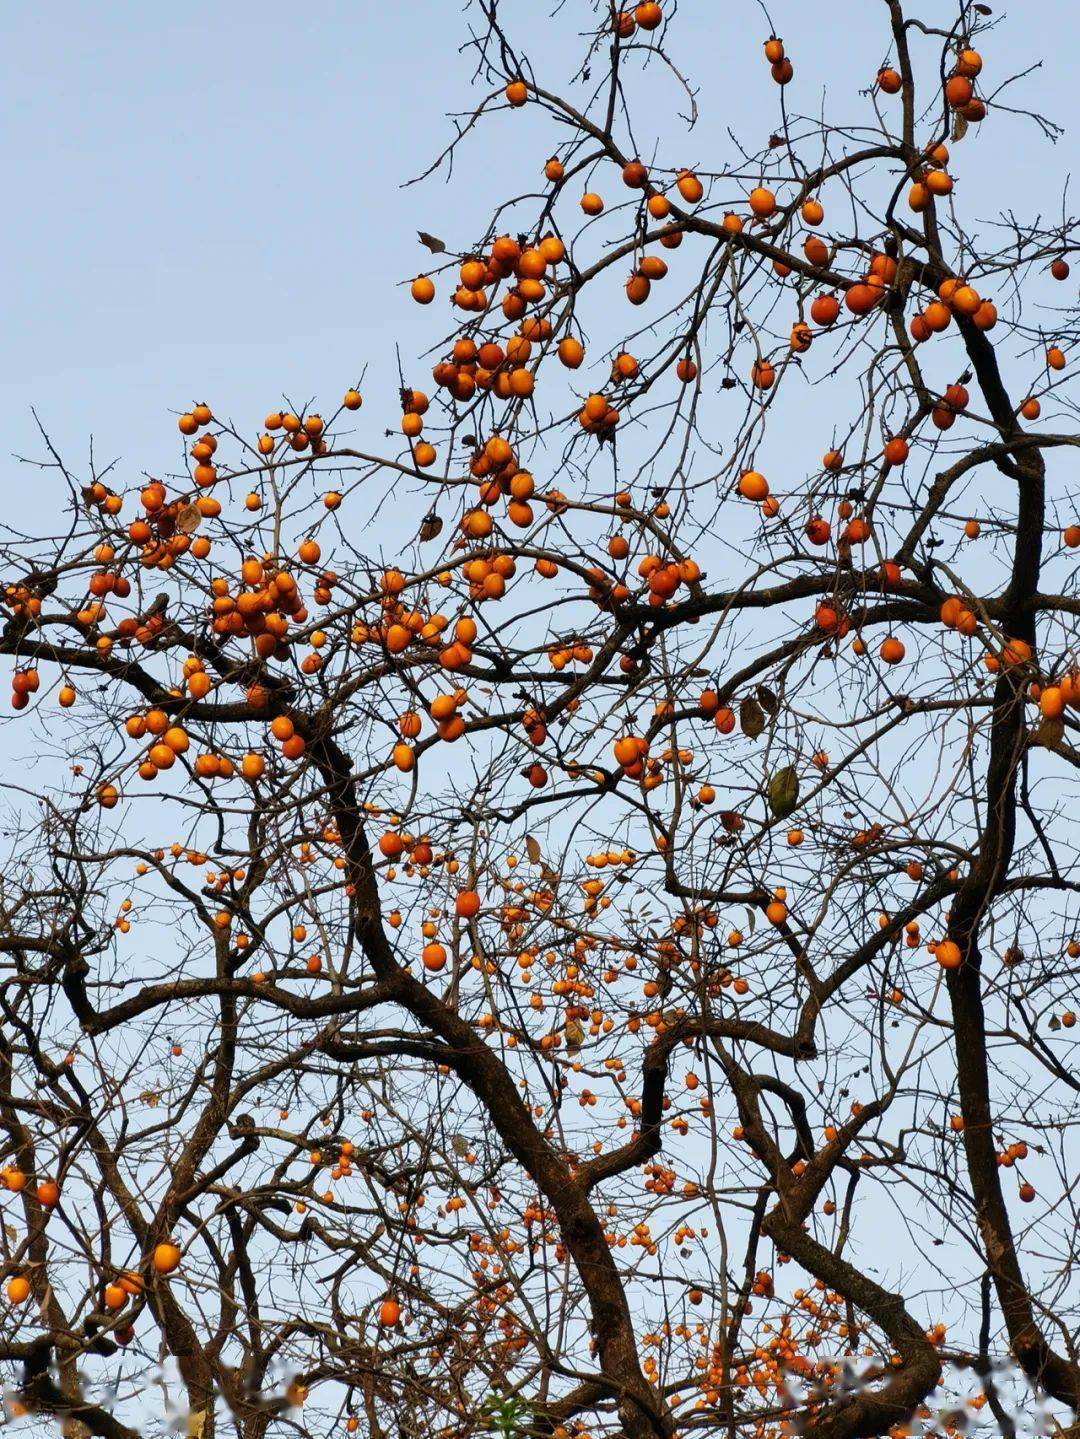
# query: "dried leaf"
[[431, 528], [959, 127], [532, 849], [460, 1145], [152, 1097], [731, 820], [1050, 733], [189, 519], [767, 699], [575, 1035], [751, 717], [751, 920], [434, 244]]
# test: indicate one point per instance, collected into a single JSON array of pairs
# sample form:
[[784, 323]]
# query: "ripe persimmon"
[[166, 1257], [18, 1289]]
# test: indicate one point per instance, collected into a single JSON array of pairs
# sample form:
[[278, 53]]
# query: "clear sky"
[[204, 200]]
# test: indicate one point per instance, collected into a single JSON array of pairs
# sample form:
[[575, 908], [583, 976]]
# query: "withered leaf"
[[532, 849], [431, 528], [189, 519], [731, 820], [767, 699], [751, 717], [1050, 733]]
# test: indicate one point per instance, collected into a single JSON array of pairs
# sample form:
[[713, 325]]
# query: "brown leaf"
[[189, 519], [431, 528], [751, 717], [1050, 733], [731, 820], [532, 849], [767, 699]]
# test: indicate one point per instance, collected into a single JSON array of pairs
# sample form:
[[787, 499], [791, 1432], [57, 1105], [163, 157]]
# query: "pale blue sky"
[[204, 201]]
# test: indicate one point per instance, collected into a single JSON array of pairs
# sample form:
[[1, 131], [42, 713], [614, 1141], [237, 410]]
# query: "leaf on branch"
[[1050, 733], [731, 819], [189, 519], [751, 717], [431, 528], [767, 700], [575, 1035], [152, 1097], [532, 849], [460, 1145], [434, 244], [784, 792]]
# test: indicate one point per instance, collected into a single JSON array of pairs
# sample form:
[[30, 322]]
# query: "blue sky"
[[205, 201]]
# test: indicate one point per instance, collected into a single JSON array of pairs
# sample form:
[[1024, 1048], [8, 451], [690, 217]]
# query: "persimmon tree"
[[606, 967]]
